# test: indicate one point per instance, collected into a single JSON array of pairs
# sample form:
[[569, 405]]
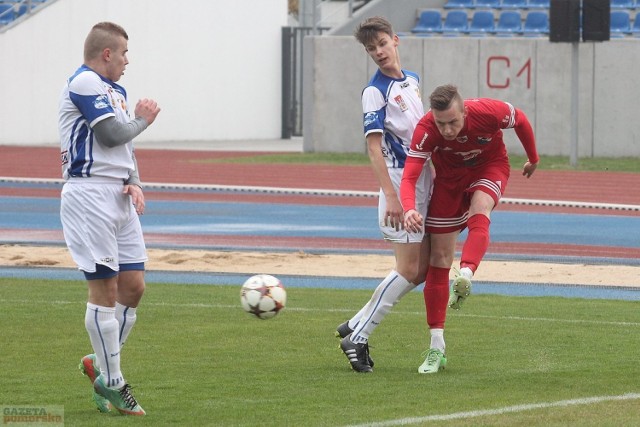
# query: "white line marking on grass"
[[548, 319], [343, 310], [501, 411]]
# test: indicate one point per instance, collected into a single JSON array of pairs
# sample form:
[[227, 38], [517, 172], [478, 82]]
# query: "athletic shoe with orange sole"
[[88, 368]]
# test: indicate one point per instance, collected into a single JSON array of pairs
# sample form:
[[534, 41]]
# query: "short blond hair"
[[103, 35]]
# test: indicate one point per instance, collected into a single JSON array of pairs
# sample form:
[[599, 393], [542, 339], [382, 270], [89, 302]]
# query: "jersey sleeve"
[[412, 169], [525, 134], [373, 108], [87, 93], [510, 117], [418, 155]]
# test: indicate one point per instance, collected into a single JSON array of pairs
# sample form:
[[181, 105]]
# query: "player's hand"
[[413, 221], [393, 215], [528, 169], [137, 197], [147, 109]]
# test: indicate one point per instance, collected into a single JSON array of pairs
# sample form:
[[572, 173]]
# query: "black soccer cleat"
[[358, 354], [343, 330]]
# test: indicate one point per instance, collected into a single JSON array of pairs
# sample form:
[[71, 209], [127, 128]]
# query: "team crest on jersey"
[[462, 139], [401, 103], [101, 102], [370, 118], [484, 140]]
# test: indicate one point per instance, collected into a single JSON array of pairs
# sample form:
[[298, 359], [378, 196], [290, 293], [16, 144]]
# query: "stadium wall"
[[214, 66], [531, 73]]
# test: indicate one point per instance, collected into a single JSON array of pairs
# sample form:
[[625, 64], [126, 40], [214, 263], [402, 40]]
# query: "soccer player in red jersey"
[[463, 138]]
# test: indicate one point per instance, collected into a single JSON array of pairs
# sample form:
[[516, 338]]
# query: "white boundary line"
[[501, 411], [341, 193]]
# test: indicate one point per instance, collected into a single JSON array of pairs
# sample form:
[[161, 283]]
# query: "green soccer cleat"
[[88, 368], [434, 361], [460, 290], [121, 399]]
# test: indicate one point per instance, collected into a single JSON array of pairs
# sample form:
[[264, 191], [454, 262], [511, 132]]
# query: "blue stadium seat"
[[7, 13], [513, 4], [536, 24], [509, 23], [635, 28], [623, 4], [538, 4], [482, 23], [22, 9], [459, 4], [456, 21], [620, 23], [430, 21], [488, 4]]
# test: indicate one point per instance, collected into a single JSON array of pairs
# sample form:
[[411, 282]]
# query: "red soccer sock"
[[477, 242], [436, 296]]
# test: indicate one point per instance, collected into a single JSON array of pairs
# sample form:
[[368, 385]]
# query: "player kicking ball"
[[463, 138]]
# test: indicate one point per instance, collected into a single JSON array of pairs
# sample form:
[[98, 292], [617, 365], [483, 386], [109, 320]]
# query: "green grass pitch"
[[195, 358]]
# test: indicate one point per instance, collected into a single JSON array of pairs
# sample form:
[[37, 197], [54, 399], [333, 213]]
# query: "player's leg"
[[436, 297], [477, 241], [131, 283], [101, 323], [87, 233], [106, 338], [129, 290], [131, 287], [385, 296], [486, 191]]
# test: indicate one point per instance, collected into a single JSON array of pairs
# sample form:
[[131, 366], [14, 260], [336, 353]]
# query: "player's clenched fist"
[[147, 109]]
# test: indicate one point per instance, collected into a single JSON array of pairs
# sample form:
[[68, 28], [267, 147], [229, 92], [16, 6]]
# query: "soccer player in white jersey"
[[392, 107], [100, 203]]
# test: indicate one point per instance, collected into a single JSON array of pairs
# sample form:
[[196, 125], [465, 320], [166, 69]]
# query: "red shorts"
[[452, 191]]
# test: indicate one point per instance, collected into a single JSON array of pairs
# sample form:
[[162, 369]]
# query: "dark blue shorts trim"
[[104, 272]]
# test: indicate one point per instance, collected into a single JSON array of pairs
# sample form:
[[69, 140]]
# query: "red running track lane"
[[209, 168]]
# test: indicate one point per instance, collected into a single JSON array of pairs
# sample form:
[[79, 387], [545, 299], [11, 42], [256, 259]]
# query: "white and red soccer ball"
[[263, 296]]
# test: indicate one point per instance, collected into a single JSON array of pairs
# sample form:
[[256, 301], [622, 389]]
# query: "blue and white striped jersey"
[[86, 99], [393, 107]]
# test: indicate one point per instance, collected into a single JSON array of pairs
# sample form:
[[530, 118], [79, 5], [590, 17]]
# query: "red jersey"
[[478, 144]]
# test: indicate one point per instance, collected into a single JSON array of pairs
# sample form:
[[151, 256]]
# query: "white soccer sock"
[[386, 295], [353, 322], [437, 339], [102, 327], [126, 317], [356, 318], [466, 272]]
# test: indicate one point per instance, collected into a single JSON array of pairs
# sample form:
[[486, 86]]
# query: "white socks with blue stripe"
[[126, 317], [386, 295], [102, 327]]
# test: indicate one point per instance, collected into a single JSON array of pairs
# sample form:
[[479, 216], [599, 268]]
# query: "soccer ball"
[[263, 296]]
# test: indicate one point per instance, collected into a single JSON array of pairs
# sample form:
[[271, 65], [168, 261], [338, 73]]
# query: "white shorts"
[[100, 224], [424, 188]]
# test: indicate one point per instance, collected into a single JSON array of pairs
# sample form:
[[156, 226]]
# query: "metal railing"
[[18, 9]]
